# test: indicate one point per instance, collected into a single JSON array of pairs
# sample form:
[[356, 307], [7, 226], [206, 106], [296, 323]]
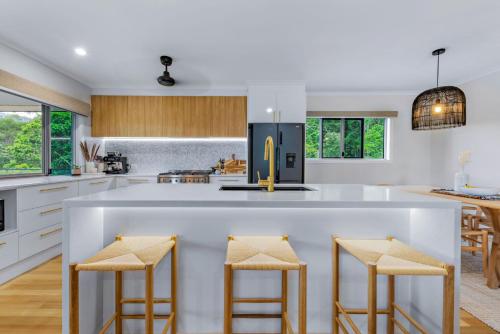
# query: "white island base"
[[203, 217]]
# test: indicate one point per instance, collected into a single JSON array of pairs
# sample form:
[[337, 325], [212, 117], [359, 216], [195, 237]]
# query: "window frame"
[[46, 137], [343, 158]]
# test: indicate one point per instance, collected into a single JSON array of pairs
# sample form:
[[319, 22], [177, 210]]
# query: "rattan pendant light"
[[440, 107]]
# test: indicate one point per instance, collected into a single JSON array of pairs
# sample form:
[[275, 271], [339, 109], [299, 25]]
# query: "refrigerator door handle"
[[281, 138]]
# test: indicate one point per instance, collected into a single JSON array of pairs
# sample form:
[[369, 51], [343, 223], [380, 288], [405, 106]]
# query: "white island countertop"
[[209, 195]]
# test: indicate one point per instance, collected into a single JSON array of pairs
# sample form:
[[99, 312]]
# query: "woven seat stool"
[[264, 253], [137, 253], [392, 258]]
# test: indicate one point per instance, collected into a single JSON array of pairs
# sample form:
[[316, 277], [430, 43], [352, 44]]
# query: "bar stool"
[[263, 253], [130, 254], [389, 257]]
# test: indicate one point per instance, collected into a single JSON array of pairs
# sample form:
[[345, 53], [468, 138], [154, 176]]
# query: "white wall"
[[481, 135], [410, 150], [28, 68]]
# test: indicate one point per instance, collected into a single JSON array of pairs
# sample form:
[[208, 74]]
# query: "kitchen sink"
[[254, 187]]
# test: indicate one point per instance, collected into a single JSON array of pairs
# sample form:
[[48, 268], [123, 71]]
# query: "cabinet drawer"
[[228, 179], [35, 197], [88, 187], [39, 218], [35, 242], [130, 181], [8, 250]]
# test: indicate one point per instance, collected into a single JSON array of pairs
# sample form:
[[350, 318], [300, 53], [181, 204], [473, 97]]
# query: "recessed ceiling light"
[[80, 51], [269, 110]]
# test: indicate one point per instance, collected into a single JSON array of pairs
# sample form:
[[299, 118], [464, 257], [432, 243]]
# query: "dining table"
[[491, 208]]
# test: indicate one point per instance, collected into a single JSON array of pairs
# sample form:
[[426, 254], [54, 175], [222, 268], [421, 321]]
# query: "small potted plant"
[[76, 170]]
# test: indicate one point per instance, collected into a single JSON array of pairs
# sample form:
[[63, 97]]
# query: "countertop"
[[29, 181], [209, 195]]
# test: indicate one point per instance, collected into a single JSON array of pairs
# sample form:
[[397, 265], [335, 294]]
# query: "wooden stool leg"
[[284, 299], [372, 298], [118, 301], [485, 254], [228, 299], [449, 300], [149, 309], [173, 287], [390, 302], [73, 300], [302, 298], [335, 284]]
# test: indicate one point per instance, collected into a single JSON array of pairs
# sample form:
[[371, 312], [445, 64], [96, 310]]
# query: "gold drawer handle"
[[43, 235], [50, 211], [3, 243], [99, 182], [53, 189]]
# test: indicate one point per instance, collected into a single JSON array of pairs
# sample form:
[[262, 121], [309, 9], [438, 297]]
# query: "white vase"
[[90, 167], [461, 180]]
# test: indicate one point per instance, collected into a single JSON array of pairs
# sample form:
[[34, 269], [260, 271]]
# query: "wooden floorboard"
[[31, 303]]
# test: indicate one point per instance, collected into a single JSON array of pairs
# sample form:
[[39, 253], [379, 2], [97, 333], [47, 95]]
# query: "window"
[[345, 138], [34, 137], [61, 142]]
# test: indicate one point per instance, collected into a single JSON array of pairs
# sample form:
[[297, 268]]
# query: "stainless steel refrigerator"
[[289, 139]]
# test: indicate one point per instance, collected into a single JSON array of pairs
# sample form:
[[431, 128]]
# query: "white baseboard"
[[23, 266]]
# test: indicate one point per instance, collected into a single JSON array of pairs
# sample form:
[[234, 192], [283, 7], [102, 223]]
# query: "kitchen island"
[[203, 216]]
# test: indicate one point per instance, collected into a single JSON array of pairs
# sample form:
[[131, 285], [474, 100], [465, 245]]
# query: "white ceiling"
[[348, 45]]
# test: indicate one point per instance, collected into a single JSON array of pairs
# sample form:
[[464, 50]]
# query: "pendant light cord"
[[437, 76]]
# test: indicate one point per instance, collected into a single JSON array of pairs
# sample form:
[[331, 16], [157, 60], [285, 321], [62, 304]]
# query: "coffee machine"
[[115, 163]]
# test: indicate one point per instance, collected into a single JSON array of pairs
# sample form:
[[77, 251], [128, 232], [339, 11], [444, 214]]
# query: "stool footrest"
[[364, 311], [142, 300], [108, 324], [257, 300], [410, 319], [143, 316], [257, 315], [168, 324]]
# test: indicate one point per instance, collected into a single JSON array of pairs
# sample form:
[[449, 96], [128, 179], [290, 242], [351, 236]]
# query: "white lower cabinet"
[[9, 253], [35, 242], [126, 181], [39, 218], [88, 187], [33, 197]]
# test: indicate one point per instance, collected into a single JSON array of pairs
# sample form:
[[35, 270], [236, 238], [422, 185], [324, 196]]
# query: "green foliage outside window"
[[61, 146], [374, 138], [331, 138], [312, 137], [362, 138], [21, 142]]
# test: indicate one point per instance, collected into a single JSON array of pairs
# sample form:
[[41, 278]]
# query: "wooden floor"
[[31, 304]]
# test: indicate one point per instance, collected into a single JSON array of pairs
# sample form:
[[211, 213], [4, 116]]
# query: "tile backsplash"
[[149, 156]]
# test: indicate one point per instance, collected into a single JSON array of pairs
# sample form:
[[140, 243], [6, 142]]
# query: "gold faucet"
[[268, 155]]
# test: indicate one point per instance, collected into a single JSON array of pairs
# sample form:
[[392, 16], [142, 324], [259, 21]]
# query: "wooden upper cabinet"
[[169, 116], [229, 116], [109, 116]]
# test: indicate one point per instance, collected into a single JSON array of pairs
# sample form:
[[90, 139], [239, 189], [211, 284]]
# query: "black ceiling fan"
[[166, 79]]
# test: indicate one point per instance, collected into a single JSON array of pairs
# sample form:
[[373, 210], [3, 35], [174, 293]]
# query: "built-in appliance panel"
[[258, 132], [9, 249], [291, 153], [10, 212], [88, 187], [34, 197], [35, 242], [39, 218]]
